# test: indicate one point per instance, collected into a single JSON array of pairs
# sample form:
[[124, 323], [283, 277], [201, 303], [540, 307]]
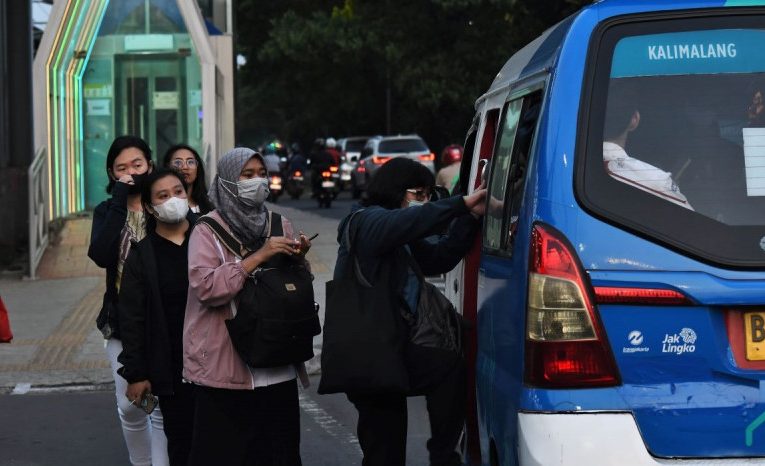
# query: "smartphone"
[[148, 402]]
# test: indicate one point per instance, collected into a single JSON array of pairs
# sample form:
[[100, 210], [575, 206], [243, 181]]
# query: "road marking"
[[21, 388], [328, 423]]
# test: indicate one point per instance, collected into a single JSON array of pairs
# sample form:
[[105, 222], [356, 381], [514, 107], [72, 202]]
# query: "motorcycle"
[[334, 171], [327, 188], [275, 187], [294, 186]]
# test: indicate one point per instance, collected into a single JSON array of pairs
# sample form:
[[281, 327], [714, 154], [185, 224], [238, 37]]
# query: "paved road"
[[81, 428]]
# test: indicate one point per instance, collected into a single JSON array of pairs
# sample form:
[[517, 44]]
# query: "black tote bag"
[[364, 334]]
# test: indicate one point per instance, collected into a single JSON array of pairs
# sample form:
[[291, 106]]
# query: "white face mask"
[[414, 203], [253, 192], [173, 210]]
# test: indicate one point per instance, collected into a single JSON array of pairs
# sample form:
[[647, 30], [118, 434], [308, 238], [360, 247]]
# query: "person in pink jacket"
[[243, 415]]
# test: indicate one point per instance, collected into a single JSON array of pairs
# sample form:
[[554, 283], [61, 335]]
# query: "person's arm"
[[378, 231], [439, 254], [215, 282], [132, 317], [212, 281], [108, 220]]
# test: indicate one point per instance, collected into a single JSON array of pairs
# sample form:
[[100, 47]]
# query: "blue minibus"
[[618, 284]]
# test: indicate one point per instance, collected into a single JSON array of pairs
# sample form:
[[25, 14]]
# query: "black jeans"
[[247, 427], [178, 415], [383, 418]]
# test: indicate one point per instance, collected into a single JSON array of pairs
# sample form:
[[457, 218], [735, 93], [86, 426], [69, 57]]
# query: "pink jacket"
[[209, 358]]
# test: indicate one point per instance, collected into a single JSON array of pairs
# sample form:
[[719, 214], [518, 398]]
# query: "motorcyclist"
[[332, 151], [321, 160], [297, 161], [450, 162], [271, 160]]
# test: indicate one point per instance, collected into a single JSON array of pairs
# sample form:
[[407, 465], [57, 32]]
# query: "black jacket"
[[146, 348], [108, 220], [380, 235]]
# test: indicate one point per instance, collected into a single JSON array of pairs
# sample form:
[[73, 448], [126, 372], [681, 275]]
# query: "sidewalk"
[[56, 344]]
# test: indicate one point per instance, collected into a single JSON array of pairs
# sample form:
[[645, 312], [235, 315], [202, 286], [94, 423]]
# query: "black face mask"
[[137, 185]]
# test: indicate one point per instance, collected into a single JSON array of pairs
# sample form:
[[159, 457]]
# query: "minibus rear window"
[[676, 135]]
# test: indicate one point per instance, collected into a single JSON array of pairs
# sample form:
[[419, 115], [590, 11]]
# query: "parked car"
[[380, 149], [350, 149], [618, 283]]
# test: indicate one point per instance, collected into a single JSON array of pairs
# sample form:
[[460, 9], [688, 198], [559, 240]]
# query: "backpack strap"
[[228, 240], [346, 238]]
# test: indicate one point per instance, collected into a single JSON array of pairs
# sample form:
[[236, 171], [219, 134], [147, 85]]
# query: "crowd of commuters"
[[171, 286]]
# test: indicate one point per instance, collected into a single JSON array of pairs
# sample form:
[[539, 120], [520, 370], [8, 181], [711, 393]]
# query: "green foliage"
[[320, 68]]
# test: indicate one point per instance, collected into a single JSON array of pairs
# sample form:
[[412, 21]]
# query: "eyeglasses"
[[419, 194], [179, 163]]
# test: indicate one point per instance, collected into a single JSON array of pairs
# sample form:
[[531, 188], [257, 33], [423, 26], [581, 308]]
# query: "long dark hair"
[[119, 144], [199, 186], [154, 176], [390, 182]]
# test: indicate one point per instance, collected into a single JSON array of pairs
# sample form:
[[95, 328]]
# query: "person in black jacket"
[[117, 222], [152, 304], [397, 221]]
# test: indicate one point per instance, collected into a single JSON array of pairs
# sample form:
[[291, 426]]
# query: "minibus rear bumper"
[[594, 439]]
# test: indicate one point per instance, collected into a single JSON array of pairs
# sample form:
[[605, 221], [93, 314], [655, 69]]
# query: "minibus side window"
[[500, 167], [519, 163]]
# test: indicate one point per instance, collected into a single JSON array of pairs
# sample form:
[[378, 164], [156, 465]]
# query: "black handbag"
[[276, 316], [364, 334]]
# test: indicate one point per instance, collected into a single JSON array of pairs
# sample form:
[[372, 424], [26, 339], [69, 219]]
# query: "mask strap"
[[221, 182]]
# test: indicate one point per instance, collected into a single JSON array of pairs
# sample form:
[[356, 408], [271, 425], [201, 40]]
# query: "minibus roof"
[[538, 55]]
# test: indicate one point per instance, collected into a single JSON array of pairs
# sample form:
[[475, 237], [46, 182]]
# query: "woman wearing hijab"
[[243, 415]]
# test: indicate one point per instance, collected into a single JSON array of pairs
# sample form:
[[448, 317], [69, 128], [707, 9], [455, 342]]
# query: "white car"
[[380, 149]]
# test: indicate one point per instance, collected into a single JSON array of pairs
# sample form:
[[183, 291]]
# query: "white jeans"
[[144, 435]]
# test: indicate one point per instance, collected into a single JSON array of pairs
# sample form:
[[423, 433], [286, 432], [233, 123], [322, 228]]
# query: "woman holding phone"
[[243, 415], [152, 303]]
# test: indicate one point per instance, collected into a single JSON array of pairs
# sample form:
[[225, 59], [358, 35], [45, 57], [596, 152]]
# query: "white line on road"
[[325, 420]]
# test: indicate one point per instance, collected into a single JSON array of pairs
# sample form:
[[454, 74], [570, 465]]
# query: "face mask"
[[252, 192], [415, 203], [173, 210], [138, 183]]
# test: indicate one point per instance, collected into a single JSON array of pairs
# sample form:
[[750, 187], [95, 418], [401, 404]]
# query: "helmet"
[[295, 147], [331, 143], [451, 154]]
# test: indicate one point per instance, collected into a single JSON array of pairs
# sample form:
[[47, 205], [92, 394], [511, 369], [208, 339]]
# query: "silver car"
[[380, 149]]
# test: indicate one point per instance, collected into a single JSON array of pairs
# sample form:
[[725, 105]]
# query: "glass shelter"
[[148, 68]]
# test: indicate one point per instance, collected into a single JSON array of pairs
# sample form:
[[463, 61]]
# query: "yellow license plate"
[[754, 332]]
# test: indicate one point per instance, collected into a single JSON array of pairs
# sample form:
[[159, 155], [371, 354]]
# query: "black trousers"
[[178, 415], [247, 427], [383, 418]]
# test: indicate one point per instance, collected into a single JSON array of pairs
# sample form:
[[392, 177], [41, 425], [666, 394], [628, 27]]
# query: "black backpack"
[[277, 316]]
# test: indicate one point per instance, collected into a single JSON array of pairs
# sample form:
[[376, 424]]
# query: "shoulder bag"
[[364, 334]]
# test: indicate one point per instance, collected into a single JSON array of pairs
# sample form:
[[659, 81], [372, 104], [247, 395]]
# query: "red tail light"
[[657, 296], [379, 160], [326, 174], [428, 157], [297, 173], [566, 345], [333, 169]]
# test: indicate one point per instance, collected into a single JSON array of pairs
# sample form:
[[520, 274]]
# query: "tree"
[[319, 68]]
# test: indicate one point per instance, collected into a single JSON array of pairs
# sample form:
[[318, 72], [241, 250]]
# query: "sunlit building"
[[158, 69]]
